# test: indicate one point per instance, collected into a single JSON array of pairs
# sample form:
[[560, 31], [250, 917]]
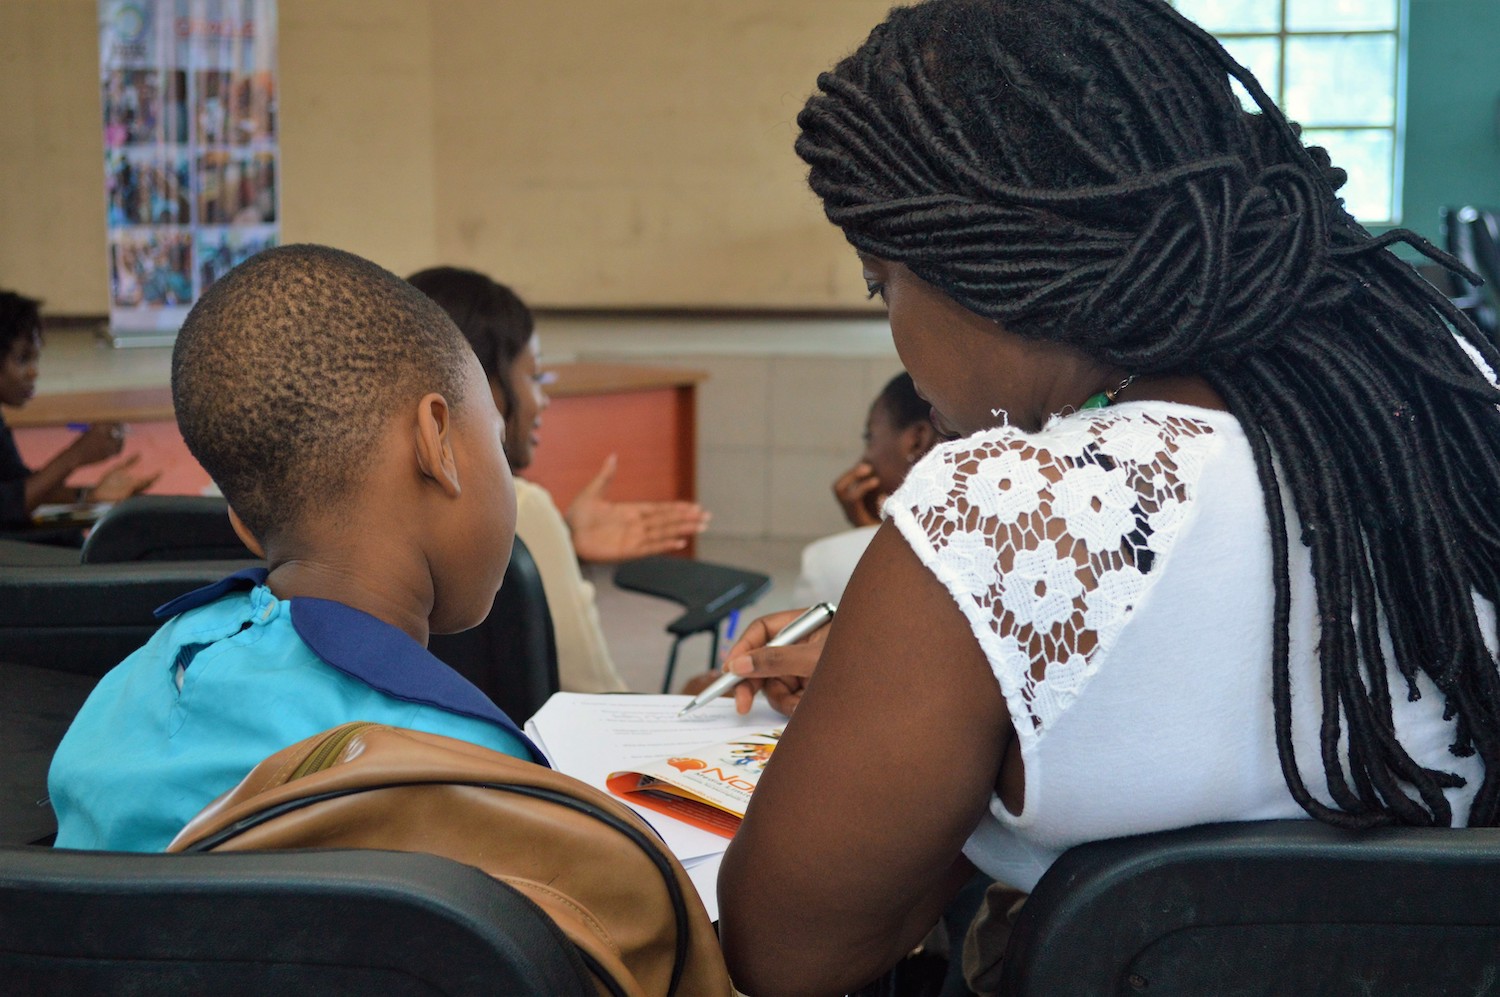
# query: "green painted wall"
[[1452, 97]]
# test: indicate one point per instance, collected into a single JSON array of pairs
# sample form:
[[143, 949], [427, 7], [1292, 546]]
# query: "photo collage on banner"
[[190, 151]]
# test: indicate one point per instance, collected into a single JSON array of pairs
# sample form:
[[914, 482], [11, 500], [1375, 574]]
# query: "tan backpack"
[[590, 862]]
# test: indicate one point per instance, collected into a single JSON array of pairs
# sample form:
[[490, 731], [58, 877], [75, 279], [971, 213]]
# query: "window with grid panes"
[[1335, 67]]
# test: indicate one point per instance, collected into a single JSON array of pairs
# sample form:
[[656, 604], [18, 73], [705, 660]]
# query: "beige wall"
[[52, 155], [356, 109], [596, 153]]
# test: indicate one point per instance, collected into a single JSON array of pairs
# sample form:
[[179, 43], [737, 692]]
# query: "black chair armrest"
[[709, 593]]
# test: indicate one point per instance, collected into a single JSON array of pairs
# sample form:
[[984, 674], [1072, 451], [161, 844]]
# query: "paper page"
[[589, 736], [704, 872], [69, 513]]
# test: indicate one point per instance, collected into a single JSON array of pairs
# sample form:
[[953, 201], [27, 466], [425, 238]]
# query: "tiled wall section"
[[774, 432]]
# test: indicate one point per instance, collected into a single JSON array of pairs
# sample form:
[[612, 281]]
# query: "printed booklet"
[[708, 787]]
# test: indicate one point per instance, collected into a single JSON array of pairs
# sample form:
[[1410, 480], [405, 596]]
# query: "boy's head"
[[315, 386], [898, 431]]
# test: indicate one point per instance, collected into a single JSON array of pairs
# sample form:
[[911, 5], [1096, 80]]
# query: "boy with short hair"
[[351, 430]]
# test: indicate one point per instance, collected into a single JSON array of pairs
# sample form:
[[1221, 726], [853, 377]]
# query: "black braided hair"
[[1082, 171]]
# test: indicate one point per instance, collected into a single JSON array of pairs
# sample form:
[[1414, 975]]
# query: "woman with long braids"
[[1215, 537]]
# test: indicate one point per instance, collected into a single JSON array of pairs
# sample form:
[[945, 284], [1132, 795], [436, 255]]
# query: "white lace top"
[[1131, 634]]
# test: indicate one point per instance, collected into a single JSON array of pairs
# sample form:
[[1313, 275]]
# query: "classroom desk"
[[646, 415]]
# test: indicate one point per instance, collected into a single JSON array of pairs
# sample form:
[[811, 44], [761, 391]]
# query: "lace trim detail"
[[1048, 542]]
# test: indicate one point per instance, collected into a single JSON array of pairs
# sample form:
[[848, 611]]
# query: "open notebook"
[[593, 737]]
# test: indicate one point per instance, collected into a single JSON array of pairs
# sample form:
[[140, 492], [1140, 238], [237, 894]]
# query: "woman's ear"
[[434, 439], [246, 537]]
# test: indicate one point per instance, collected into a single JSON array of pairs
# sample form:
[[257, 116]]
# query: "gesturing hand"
[[120, 483], [620, 531], [856, 490], [101, 441]]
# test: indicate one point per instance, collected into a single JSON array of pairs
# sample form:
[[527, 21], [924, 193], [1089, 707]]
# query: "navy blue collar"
[[370, 650]]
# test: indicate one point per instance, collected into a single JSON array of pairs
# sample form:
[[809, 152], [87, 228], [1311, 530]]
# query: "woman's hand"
[[120, 483], [782, 672], [605, 531], [857, 492], [100, 441]]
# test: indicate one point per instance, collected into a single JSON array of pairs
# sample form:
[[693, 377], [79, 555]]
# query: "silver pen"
[[815, 617]]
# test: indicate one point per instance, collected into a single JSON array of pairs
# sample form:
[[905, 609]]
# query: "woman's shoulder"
[[1133, 430], [1144, 446], [1049, 541]]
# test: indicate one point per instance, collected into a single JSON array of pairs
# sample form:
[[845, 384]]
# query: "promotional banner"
[[190, 152]]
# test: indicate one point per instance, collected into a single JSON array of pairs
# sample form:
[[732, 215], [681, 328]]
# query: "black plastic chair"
[[321, 922], [1275, 908], [164, 528], [37, 705], [85, 618], [1473, 236], [709, 593], [25, 553], [512, 655]]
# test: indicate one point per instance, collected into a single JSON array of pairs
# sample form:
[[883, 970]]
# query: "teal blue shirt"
[[234, 676]]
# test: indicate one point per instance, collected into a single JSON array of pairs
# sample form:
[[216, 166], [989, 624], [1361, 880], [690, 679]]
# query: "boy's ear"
[[919, 438], [434, 431], [246, 537]]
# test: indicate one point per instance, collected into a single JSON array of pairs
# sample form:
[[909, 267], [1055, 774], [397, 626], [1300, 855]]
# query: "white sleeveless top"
[[1149, 618]]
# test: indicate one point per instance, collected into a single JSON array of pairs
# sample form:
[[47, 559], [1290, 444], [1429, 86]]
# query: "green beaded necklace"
[[1105, 399]]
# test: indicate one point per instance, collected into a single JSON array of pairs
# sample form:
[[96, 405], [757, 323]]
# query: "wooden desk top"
[[155, 404], [119, 405]]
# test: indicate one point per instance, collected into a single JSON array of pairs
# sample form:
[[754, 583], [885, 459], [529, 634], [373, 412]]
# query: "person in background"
[[898, 432], [502, 332], [22, 489], [1213, 534]]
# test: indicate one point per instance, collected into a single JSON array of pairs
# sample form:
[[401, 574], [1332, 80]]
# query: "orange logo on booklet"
[[686, 764]]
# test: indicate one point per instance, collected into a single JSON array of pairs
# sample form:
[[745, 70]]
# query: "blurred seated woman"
[[502, 332], [21, 488], [1216, 537]]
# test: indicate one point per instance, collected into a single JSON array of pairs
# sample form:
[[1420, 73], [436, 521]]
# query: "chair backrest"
[[1277, 907], [37, 705], [1473, 236], [319, 922], [85, 618], [512, 655], [1484, 232], [22, 553], [164, 528]]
